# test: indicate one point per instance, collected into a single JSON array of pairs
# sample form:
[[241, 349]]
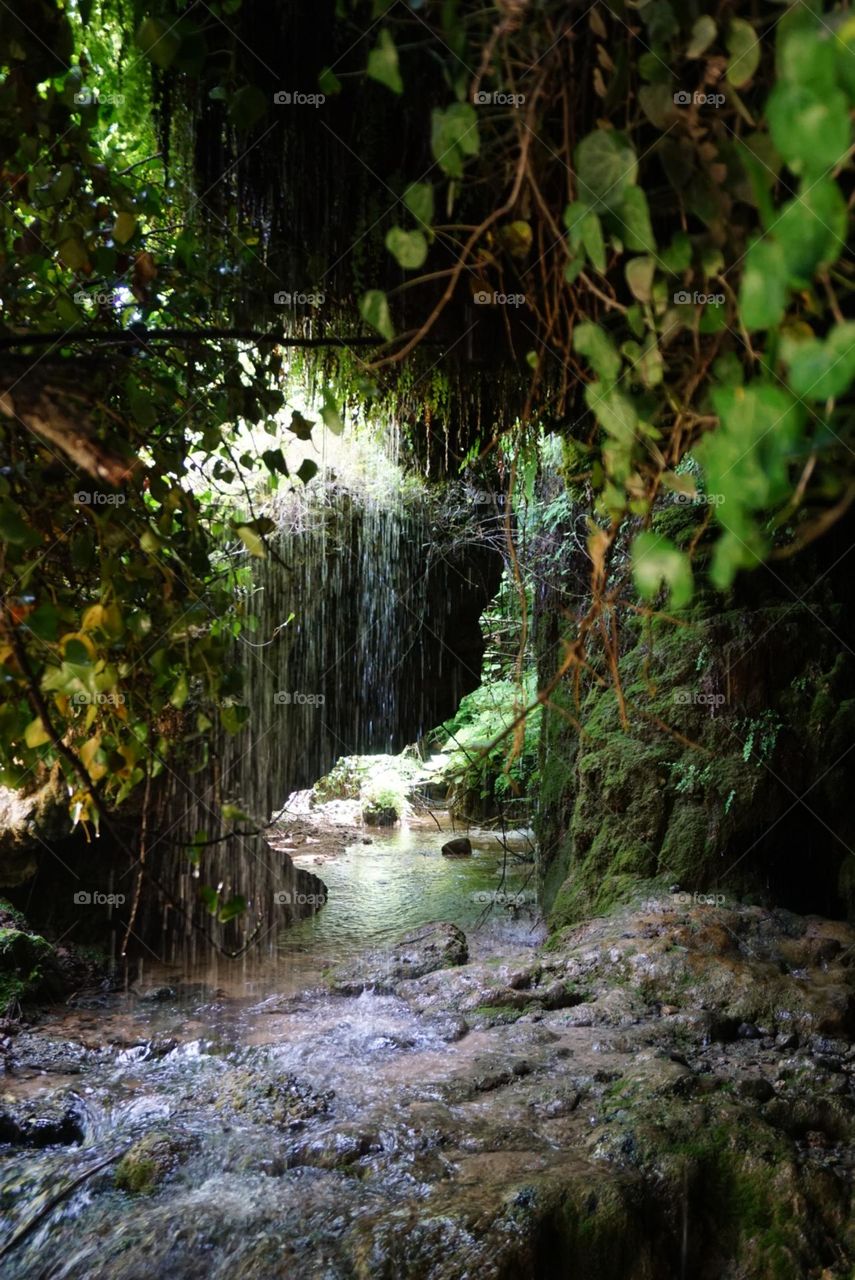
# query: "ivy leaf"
[[824, 370], [809, 128], [635, 219], [586, 229], [591, 341], [328, 82], [639, 277], [454, 136], [812, 229], [606, 167], [247, 107], [252, 540], [159, 42], [35, 734], [408, 248], [236, 906], [418, 198], [656, 561], [374, 309], [383, 63], [330, 415], [615, 413], [703, 34], [744, 49], [307, 470], [763, 291]]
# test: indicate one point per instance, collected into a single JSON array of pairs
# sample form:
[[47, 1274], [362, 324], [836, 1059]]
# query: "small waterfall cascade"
[[365, 636]]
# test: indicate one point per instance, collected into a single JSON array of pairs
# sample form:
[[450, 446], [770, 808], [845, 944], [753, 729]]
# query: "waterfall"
[[366, 636]]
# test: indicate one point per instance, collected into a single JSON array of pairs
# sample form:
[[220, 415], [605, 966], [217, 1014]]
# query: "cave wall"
[[736, 772]]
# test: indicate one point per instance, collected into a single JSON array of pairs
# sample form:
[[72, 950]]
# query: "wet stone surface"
[[664, 1091]]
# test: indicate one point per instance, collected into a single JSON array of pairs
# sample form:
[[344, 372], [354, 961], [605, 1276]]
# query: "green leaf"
[[606, 167], [639, 277], [634, 214], [330, 415], [744, 49], [141, 405], [812, 229], [824, 370], [328, 82], [615, 413], [703, 34], [595, 344], [807, 57], [418, 198], [35, 734], [586, 229], [810, 129], [383, 63], [454, 136], [233, 717], [763, 292], [252, 540], [236, 906], [158, 41], [374, 309], [180, 693], [247, 107], [657, 562], [408, 248], [307, 470]]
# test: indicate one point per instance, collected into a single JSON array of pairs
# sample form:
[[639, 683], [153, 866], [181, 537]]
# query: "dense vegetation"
[[625, 225]]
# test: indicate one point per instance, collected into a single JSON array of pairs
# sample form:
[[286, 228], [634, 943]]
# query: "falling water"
[[366, 636]]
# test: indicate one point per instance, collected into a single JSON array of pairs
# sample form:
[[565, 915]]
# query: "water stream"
[[233, 1067]]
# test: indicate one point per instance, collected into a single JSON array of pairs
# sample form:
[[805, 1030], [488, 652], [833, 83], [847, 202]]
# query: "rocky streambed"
[[667, 1091]]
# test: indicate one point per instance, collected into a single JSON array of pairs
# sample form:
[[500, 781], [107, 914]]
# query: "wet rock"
[[432, 947], [158, 995], [46, 1123], [148, 1163], [755, 1089], [460, 847], [787, 1040]]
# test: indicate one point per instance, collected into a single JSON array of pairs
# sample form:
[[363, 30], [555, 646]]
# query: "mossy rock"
[[147, 1164], [24, 967]]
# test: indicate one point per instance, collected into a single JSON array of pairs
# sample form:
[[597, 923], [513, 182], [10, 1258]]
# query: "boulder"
[[433, 946], [460, 847]]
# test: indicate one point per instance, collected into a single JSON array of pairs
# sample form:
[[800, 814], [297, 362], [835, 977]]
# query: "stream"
[[221, 1072]]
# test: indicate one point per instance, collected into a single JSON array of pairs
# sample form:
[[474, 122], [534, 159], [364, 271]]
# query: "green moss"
[[149, 1161], [23, 967]]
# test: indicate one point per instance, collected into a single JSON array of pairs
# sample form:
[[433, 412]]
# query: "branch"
[[144, 337], [43, 411]]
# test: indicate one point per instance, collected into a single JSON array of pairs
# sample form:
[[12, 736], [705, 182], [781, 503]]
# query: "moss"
[[24, 959], [496, 1014], [149, 1161]]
